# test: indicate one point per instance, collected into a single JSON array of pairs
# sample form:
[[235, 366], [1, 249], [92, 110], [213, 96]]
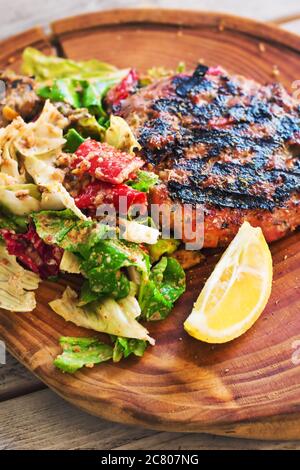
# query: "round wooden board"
[[249, 387]]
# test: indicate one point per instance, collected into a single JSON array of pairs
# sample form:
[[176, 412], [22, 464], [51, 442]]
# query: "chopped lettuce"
[[9, 221], [86, 294], [94, 91], [164, 287], [120, 135], [39, 143], [10, 170], [135, 232], [70, 263], [102, 258], [106, 316], [44, 67], [73, 141], [104, 264], [87, 94], [89, 126], [144, 181], [20, 199], [80, 84], [124, 347], [62, 89], [16, 284], [43, 136], [50, 178], [80, 352], [64, 229], [163, 247]]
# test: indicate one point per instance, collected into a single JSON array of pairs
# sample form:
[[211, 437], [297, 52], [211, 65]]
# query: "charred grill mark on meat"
[[217, 140], [220, 140]]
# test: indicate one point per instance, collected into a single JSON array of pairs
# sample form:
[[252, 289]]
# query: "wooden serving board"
[[249, 387]]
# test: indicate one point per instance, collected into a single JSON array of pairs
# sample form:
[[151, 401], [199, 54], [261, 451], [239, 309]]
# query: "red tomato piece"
[[33, 252], [123, 89], [97, 193], [104, 162]]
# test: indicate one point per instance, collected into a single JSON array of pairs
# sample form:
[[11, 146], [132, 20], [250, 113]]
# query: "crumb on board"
[[275, 71], [90, 365], [221, 26], [262, 47], [285, 257]]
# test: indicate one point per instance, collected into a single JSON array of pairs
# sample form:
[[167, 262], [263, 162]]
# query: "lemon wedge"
[[236, 292]]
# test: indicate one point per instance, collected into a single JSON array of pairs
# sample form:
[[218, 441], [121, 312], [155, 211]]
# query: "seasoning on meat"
[[225, 142]]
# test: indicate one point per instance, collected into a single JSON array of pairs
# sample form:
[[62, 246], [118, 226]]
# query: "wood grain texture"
[[16, 381], [44, 421], [11, 49], [249, 387], [23, 14]]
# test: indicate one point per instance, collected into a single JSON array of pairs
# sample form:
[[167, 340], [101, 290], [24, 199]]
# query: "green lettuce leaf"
[[86, 294], [102, 258], [64, 229], [73, 141], [87, 94], [80, 352], [164, 287], [103, 266], [163, 247], [91, 127], [44, 67], [105, 316], [63, 89], [124, 347], [144, 181], [14, 222]]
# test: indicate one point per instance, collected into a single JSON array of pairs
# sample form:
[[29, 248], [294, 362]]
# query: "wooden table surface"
[[32, 416]]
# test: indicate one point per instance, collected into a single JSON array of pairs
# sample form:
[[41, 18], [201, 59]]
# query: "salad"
[[73, 195]]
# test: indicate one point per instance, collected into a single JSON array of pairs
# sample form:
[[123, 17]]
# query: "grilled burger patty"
[[225, 142]]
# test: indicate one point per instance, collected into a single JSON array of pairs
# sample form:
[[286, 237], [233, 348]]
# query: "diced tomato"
[[221, 122], [104, 162], [123, 89], [33, 252], [97, 193], [215, 70]]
